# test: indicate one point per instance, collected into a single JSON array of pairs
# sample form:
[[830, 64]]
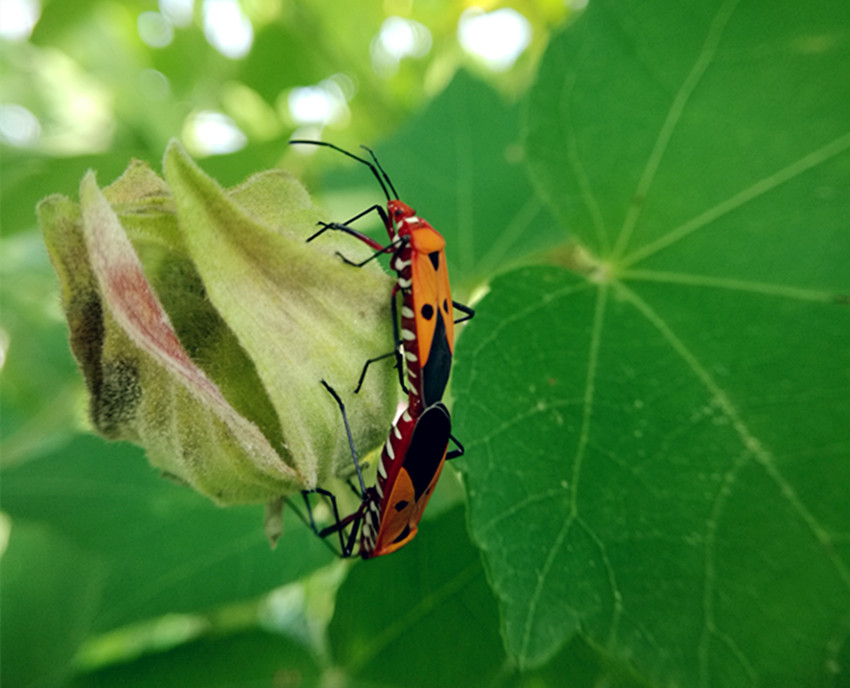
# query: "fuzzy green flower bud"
[[203, 323]]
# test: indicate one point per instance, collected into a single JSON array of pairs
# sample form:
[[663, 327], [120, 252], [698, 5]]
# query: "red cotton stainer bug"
[[411, 462], [417, 448], [425, 338]]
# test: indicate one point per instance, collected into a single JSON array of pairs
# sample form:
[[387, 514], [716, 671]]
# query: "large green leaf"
[[658, 445]]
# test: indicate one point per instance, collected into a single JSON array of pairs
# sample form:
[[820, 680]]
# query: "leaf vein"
[[761, 187], [751, 443], [710, 629], [733, 284], [677, 107]]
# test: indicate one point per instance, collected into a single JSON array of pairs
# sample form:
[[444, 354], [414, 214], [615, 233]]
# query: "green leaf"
[[425, 613], [657, 447], [51, 590], [578, 665], [251, 658], [649, 123], [165, 548], [39, 374]]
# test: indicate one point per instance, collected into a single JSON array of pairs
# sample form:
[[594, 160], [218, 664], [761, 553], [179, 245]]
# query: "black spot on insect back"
[[403, 534], [427, 447]]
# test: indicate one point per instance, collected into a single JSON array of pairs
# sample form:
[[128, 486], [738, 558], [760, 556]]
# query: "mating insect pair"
[[413, 456], [411, 461]]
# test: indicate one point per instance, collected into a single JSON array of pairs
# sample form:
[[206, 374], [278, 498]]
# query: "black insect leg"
[[339, 403], [454, 453], [397, 351], [466, 310]]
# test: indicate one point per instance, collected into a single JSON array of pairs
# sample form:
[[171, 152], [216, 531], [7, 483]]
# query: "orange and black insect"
[[411, 462], [424, 334]]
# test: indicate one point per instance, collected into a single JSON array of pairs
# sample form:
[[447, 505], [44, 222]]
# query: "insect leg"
[[380, 250], [355, 520], [339, 403], [397, 351], [454, 453], [466, 310], [344, 227], [369, 362], [338, 526]]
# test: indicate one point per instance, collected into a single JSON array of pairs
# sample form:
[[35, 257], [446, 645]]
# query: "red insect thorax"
[[424, 238]]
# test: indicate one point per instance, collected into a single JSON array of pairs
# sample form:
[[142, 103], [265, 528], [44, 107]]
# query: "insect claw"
[[346, 260]]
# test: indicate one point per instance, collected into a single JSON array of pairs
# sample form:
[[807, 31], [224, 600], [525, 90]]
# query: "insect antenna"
[[375, 167], [385, 175]]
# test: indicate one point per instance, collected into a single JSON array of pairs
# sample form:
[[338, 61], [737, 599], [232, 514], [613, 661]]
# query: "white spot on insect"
[[407, 312], [381, 470], [413, 389], [400, 264], [413, 219], [410, 356], [396, 432], [404, 283], [406, 416], [408, 335], [379, 489], [388, 448]]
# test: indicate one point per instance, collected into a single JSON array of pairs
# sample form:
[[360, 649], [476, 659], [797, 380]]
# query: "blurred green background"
[[647, 203]]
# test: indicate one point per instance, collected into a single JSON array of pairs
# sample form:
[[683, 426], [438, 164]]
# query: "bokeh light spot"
[[496, 38], [227, 29], [212, 133]]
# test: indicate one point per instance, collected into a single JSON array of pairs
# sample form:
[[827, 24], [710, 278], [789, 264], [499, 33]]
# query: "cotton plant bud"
[[204, 322]]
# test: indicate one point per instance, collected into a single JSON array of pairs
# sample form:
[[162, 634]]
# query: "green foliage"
[[653, 395], [164, 548], [659, 446], [253, 657]]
